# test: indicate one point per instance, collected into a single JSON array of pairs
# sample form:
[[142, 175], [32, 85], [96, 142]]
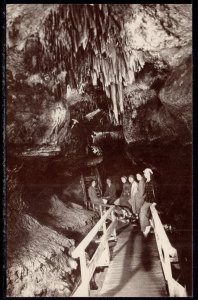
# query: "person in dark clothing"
[[133, 187], [122, 202], [125, 195], [140, 195], [149, 199], [93, 195], [110, 192]]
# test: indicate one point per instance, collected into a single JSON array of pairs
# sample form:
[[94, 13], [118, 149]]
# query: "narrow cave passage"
[[94, 92]]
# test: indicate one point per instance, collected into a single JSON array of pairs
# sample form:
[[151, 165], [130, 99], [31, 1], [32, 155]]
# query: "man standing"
[[140, 195], [134, 189], [123, 201], [110, 192], [93, 195]]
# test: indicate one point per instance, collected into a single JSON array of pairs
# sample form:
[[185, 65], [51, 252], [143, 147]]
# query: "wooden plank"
[[135, 268]]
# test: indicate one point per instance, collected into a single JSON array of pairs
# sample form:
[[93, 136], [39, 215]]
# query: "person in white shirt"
[[134, 190]]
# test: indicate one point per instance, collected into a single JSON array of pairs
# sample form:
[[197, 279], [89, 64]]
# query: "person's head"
[[124, 179], [131, 178], [93, 183], [108, 181], [148, 173], [139, 176]]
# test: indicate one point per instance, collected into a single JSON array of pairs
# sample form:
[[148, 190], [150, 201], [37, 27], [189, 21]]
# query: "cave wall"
[[176, 94], [160, 108], [34, 117], [42, 231]]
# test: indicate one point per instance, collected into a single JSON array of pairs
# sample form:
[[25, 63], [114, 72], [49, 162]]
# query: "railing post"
[[170, 283], [101, 212], [84, 275], [104, 227], [101, 256], [113, 218], [105, 257]]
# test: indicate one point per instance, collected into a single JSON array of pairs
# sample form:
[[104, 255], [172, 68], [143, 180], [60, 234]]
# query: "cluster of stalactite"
[[88, 42]]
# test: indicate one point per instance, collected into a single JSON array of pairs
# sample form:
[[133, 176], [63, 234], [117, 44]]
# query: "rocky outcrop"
[[159, 105], [176, 93], [162, 31], [34, 116], [39, 253], [152, 121], [39, 266]]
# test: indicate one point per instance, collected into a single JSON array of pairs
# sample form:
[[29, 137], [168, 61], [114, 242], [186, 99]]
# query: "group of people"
[[138, 194]]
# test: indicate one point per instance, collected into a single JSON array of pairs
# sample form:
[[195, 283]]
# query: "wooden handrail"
[[101, 256], [161, 233], [86, 241], [166, 251]]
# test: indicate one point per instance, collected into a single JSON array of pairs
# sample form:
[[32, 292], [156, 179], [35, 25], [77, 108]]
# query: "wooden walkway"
[[135, 269]]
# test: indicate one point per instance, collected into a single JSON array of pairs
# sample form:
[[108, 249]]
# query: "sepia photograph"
[[98, 150]]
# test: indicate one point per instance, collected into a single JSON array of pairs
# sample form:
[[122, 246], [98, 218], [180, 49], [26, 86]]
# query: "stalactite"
[[107, 91], [113, 97], [120, 97], [91, 34]]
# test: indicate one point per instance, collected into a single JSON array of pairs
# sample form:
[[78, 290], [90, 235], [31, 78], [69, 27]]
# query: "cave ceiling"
[[129, 65]]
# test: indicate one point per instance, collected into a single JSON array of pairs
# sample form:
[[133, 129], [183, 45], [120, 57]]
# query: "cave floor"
[[134, 270]]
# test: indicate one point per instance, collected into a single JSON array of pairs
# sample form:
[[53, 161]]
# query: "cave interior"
[[91, 86]]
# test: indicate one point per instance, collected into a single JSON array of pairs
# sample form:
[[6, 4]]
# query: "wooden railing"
[[168, 254], [101, 256]]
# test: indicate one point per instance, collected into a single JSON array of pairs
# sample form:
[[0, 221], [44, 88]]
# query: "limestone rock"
[[176, 93], [164, 30], [40, 263]]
